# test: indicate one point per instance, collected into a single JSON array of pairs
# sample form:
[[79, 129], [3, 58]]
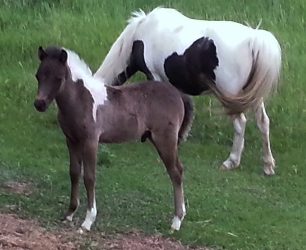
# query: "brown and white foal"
[[90, 113]]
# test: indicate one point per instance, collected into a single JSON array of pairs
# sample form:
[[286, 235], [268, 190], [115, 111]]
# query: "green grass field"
[[240, 209]]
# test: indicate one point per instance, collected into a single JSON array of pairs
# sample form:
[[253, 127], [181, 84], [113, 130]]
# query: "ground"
[[18, 233]]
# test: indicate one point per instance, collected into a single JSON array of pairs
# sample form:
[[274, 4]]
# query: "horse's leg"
[[233, 161], [75, 173], [89, 156], [166, 147], [179, 203], [263, 123]]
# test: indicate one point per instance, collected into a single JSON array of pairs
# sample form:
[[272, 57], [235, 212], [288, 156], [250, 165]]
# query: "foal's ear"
[[63, 56], [41, 53]]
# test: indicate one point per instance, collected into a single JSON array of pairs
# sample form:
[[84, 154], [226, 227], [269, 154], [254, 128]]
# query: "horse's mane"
[[77, 66]]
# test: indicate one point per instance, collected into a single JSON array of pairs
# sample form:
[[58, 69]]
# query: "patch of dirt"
[[24, 188], [137, 241], [17, 234]]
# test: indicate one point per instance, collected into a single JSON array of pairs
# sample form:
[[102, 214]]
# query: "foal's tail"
[[117, 58], [188, 117], [263, 77]]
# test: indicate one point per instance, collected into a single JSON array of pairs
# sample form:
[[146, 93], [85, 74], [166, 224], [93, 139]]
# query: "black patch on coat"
[[136, 63], [186, 71]]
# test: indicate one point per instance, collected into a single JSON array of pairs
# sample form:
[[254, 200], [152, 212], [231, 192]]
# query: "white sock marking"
[[176, 223], [90, 217]]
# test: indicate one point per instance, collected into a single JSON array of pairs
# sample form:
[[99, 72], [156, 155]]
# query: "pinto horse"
[[90, 113], [239, 64]]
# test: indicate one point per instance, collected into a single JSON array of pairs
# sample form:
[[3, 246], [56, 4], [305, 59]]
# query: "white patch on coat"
[[80, 70]]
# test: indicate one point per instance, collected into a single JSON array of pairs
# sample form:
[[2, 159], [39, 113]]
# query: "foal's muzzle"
[[40, 105]]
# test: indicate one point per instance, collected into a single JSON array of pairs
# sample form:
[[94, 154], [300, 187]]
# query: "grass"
[[240, 209]]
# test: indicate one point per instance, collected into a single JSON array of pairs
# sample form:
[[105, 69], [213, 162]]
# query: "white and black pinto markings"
[[238, 64]]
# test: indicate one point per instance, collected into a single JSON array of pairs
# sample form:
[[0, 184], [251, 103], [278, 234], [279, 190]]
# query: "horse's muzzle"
[[40, 105]]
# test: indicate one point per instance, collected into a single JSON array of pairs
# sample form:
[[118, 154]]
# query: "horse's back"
[[173, 36], [177, 36], [152, 91], [135, 108], [154, 98], [181, 31]]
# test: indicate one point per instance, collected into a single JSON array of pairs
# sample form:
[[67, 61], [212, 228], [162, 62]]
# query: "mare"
[[90, 113], [238, 64]]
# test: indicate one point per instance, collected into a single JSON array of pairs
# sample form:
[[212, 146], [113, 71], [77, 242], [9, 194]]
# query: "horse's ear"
[[41, 53], [63, 56]]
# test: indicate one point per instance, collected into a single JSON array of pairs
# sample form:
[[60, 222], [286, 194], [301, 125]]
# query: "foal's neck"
[[66, 99]]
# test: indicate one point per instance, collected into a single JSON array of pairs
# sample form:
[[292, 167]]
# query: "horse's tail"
[[263, 77], [188, 117], [117, 58]]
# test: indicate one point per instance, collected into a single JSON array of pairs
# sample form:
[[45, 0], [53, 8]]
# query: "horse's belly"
[[119, 136]]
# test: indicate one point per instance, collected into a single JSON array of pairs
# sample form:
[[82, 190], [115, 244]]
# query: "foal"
[[90, 113]]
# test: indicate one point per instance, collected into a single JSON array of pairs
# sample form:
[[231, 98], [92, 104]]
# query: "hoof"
[[176, 224], [83, 230], [223, 167], [66, 218], [228, 166], [269, 171]]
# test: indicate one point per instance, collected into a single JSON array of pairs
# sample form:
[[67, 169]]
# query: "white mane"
[[80, 70], [77, 66]]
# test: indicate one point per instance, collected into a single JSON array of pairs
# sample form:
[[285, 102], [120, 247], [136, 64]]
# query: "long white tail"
[[117, 58], [263, 77]]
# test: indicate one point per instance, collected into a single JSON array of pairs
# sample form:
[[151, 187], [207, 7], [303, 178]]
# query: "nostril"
[[40, 105]]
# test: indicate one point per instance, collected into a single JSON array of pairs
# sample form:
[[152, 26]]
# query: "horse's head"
[[51, 75]]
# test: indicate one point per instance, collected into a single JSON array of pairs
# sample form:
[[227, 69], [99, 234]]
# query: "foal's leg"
[[233, 161], [75, 173], [166, 146], [179, 203], [89, 156], [263, 123]]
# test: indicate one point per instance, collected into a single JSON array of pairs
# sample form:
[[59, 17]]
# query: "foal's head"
[[51, 75]]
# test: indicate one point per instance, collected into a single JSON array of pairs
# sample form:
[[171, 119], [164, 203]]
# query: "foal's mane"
[[79, 69]]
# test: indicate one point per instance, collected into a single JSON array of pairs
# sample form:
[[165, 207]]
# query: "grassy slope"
[[236, 210]]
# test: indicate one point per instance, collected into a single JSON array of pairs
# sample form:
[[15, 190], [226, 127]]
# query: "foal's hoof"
[[66, 218], [83, 229], [80, 231], [176, 224]]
